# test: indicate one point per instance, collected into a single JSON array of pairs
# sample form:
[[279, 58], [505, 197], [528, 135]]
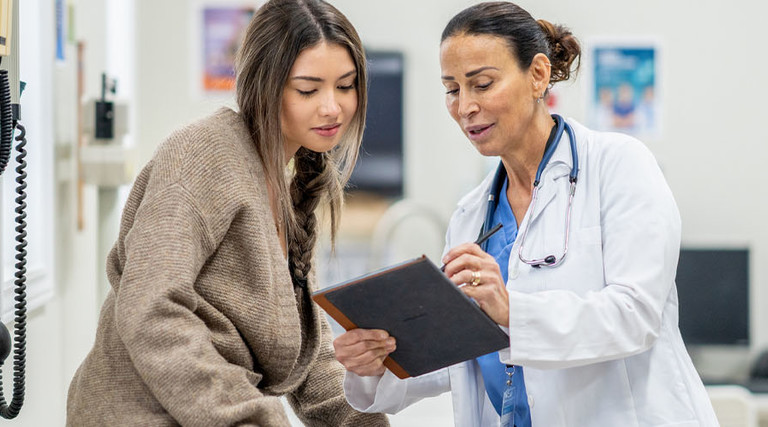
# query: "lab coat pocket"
[[587, 236], [582, 268], [578, 238]]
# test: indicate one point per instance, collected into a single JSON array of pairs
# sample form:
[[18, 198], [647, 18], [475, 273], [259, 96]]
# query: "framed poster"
[[221, 30], [624, 94], [60, 11]]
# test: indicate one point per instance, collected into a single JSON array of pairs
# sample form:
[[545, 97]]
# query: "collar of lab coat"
[[558, 168]]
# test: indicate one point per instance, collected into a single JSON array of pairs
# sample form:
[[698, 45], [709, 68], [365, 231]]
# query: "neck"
[[522, 161], [289, 151]]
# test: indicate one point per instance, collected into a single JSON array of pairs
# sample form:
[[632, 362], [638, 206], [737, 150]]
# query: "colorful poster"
[[624, 95], [223, 31], [60, 36]]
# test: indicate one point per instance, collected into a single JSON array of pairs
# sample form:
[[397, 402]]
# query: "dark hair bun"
[[565, 50]]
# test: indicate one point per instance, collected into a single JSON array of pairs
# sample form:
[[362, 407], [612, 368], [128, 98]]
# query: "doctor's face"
[[487, 93], [319, 99]]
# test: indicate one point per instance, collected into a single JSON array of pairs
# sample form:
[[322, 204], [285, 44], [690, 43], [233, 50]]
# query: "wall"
[[60, 333], [711, 103], [43, 383], [712, 95], [708, 148]]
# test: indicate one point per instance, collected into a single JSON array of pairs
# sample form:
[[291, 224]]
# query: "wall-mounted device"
[[9, 63], [10, 115], [104, 160], [6, 24], [379, 168], [714, 280], [105, 110]]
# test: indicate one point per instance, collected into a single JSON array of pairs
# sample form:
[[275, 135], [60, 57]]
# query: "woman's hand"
[[363, 351], [478, 275]]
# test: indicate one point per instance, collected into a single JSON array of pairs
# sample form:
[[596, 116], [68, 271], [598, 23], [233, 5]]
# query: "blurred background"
[[682, 76]]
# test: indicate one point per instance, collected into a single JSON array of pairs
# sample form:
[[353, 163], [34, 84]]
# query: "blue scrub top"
[[494, 372]]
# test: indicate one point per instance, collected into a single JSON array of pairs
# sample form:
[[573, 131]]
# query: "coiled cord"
[[20, 330], [6, 120]]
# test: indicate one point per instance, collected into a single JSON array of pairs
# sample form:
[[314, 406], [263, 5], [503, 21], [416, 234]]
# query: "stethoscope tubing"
[[498, 182]]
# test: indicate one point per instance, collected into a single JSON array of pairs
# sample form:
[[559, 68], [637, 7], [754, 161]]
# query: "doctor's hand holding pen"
[[469, 266], [477, 274], [362, 351]]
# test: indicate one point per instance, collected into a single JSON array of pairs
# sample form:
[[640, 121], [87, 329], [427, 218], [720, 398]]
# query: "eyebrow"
[[318, 79], [472, 73]]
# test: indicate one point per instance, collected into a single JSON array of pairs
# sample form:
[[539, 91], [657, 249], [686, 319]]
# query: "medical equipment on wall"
[[10, 114], [498, 183], [104, 160]]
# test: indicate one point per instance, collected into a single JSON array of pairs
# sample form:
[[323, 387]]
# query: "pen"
[[482, 239]]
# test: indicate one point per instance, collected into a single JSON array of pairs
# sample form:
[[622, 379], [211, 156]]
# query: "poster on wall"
[[223, 27], [60, 37], [624, 90]]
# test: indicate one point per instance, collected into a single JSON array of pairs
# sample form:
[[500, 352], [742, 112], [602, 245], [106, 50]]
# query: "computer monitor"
[[713, 293], [379, 168]]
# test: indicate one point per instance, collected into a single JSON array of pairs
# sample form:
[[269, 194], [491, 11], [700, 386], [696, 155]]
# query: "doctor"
[[582, 274]]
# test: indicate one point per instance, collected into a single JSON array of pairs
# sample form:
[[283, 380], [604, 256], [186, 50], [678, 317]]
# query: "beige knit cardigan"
[[202, 326]]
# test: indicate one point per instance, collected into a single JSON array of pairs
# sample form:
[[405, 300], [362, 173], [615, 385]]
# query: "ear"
[[540, 70]]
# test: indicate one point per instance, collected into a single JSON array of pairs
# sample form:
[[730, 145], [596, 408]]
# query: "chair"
[[395, 216], [734, 405]]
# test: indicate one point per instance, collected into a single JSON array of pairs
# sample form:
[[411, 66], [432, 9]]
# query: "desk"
[[736, 405], [761, 404]]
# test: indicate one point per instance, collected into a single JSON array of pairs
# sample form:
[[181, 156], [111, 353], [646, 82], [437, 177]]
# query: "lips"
[[478, 131], [328, 126], [327, 130]]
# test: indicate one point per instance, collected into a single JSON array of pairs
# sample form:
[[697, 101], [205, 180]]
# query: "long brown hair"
[[280, 30]]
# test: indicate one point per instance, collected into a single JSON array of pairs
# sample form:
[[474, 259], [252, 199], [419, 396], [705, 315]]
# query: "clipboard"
[[435, 324]]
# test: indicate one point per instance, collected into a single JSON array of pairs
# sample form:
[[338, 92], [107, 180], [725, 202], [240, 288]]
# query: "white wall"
[[61, 332], [44, 344], [712, 94], [710, 148]]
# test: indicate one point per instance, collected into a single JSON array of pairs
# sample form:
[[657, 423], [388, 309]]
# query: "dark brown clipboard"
[[434, 323]]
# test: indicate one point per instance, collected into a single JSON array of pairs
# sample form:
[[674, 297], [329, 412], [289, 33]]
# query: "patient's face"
[[319, 99]]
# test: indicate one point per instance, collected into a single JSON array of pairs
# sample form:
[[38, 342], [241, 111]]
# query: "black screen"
[[379, 167], [713, 291]]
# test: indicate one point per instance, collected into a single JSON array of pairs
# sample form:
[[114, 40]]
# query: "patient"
[[209, 319]]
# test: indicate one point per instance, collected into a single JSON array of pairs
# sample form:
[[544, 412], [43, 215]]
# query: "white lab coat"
[[597, 336]]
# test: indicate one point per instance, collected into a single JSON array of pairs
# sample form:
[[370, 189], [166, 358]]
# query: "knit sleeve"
[[169, 345], [320, 401]]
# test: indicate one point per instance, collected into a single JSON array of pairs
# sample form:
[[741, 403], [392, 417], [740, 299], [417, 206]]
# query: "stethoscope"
[[498, 183]]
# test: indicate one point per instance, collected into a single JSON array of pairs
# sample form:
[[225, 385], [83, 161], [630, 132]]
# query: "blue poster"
[[624, 96], [60, 36]]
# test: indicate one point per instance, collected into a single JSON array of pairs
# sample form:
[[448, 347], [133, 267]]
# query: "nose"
[[467, 105], [329, 106]]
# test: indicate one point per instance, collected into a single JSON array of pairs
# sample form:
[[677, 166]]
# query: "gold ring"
[[475, 278]]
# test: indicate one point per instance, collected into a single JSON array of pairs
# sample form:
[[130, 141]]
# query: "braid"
[[314, 177]]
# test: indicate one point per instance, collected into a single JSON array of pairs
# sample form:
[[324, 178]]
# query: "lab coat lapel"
[[547, 192], [558, 168], [472, 209]]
